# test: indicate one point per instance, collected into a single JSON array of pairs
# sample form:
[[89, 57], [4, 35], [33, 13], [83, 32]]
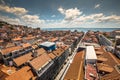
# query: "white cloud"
[[72, 18], [90, 18], [97, 6], [22, 16], [56, 23], [61, 10], [111, 18], [10, 20], [97, 18], [32, 20], [53, 16], [14, 10], [77, 19], [70, 14], [29, 20]]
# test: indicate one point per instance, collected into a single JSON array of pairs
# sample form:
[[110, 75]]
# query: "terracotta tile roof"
[[75, 70], [4, 71], [17, 39], [105, 68], [108, 66], [91, 72], [98, 52], [25, 45], [65, 47], [51, 55], [40, 51], [8, 70], [29, 38], [54, 39], [34, 46], [1, 41], [22, 59], [23, 74], [2, 75], [97, 48], [58, 51], [10, 45], [8, 50], [40, 61], [101, 59], [59, 44], [30, 35]]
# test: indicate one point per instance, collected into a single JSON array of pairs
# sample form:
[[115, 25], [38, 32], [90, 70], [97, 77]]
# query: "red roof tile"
[[40, 61], [25, 45], [51, 55], [91, 72], [22, 59], [8, 50], [23, 74], [17, 39]]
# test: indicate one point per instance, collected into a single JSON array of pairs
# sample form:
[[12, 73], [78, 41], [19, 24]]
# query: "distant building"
[[104, 41], [117, 46], [8, 54]]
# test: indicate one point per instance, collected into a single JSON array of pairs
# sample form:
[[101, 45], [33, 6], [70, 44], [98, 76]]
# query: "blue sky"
[[62, 13]]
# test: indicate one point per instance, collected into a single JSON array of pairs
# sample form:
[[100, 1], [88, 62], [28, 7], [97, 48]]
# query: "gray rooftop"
[[47, 44]]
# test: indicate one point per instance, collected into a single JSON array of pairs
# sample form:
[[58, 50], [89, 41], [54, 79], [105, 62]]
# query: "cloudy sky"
[[62, 13]]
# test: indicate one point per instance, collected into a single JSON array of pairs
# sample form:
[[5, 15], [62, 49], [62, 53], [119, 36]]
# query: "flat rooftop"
[[108, 66], [75, 71], [47, 44], [90, 53]]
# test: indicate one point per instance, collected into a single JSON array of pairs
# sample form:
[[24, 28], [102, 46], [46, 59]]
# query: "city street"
[[66, 66]]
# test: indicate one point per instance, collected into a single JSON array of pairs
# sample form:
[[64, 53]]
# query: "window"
[[5, 56], [8, 55]]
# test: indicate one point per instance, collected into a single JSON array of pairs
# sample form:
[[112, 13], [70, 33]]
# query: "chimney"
[[34, 53]]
